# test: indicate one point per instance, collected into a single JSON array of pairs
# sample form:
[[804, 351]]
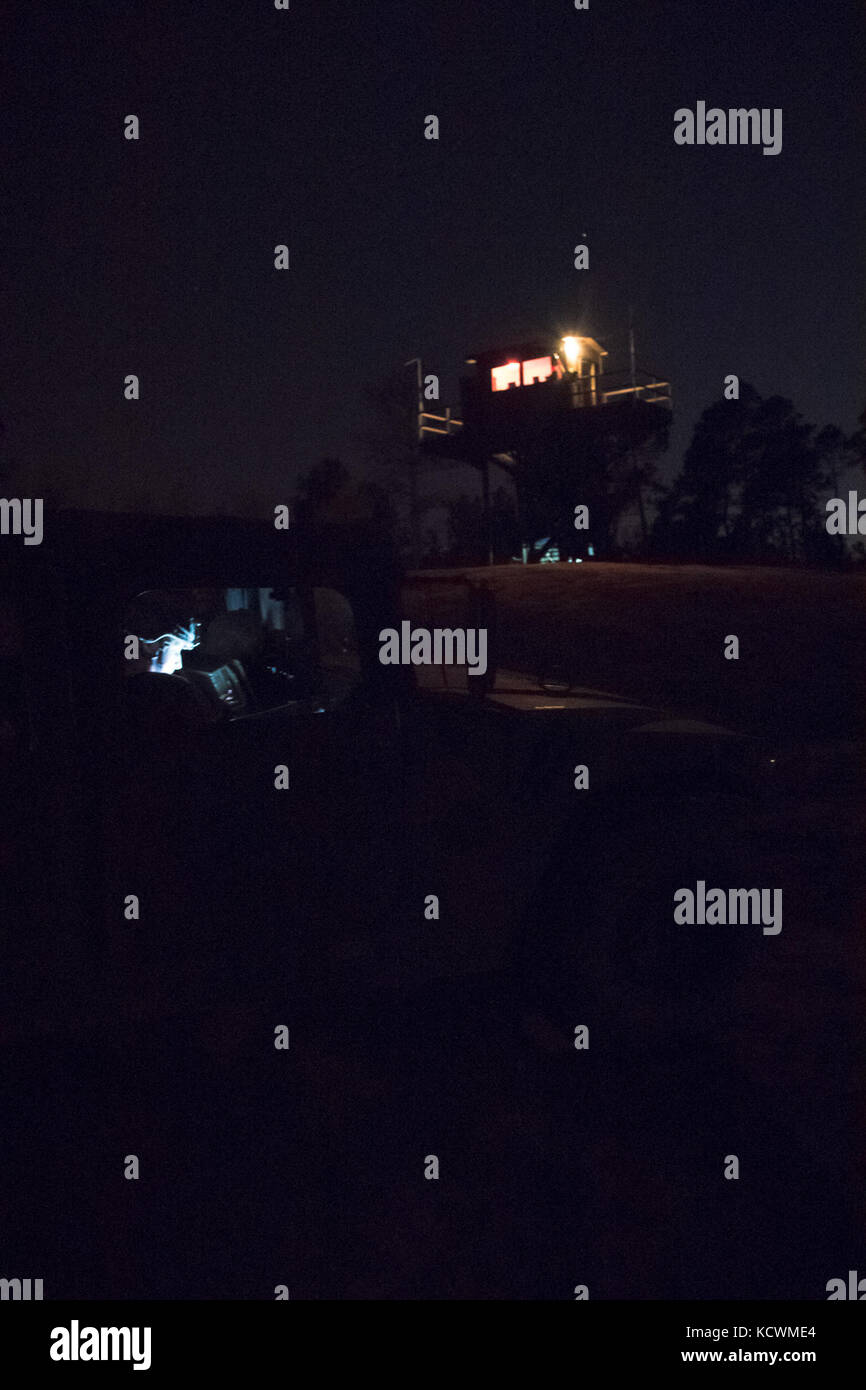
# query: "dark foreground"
[[601, 1166]]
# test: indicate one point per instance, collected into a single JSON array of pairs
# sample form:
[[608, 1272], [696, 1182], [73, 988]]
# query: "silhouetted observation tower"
[[519, 395]]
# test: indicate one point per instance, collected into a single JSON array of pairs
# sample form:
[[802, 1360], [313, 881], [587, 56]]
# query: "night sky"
[[306, 127]]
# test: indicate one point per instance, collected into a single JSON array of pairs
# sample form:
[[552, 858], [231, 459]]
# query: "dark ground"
[[656, 633]]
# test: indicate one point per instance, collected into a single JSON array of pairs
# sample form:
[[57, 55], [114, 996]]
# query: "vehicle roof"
[[91, 547], [121, 542]]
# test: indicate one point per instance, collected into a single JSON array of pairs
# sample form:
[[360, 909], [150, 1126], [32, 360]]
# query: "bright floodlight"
[[571, 348]]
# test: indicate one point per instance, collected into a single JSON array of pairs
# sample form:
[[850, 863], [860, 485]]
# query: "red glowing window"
[[506, 376], [537, 369]]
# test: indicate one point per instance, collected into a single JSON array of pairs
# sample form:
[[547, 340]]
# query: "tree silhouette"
[[857, 442], [389, 450], [751, 485]]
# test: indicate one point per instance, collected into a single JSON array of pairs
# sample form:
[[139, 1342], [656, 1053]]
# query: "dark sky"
[[306, 127]]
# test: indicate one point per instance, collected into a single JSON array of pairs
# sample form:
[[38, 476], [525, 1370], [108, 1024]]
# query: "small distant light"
[[578, 561], [590, 550], [470, 360]]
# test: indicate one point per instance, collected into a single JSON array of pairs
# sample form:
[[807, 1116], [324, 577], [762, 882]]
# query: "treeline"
[[754, 486]]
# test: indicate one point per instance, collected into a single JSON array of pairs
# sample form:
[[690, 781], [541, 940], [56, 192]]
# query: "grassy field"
[[656, 633]]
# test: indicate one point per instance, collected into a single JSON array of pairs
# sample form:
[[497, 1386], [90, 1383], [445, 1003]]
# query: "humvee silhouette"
[[204, 759], [215, 789]]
